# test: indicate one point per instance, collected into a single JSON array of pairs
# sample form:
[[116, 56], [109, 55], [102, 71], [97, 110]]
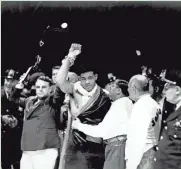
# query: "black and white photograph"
[[90, 85]]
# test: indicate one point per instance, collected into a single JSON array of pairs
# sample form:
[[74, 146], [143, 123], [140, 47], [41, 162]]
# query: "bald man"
[[143, 128]]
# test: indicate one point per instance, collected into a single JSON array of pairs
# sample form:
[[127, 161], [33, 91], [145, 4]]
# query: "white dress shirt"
[[142, 134], [115, 122]]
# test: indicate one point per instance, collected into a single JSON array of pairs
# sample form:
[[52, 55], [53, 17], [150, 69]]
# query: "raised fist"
[[74, 50]]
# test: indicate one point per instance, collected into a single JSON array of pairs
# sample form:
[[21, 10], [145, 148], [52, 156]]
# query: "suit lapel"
[[33, 108], [168, 108], [175, 114]]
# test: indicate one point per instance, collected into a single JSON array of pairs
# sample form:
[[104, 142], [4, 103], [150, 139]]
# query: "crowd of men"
[[126, 125]]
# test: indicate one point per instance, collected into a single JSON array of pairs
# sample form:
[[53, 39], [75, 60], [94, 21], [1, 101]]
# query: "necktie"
[[175, 107]]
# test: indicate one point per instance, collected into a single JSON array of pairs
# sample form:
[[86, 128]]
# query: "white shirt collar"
[[92, 91], [144, 95], [178, 105], [122, 98], [106, 91], [161, 102]]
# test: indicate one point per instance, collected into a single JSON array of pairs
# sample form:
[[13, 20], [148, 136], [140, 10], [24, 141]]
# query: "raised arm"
[[61, 81], [16, 94]]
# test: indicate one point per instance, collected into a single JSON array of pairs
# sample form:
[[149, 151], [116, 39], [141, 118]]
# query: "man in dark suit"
[[40, 140], [168, 154], [11, 124]]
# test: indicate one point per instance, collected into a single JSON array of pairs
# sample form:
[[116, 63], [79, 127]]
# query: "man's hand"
[[76, 123], [22, 77], [64, 108], [10, 121], [6, 119], [13, 122], [20, 84], [74, 50]]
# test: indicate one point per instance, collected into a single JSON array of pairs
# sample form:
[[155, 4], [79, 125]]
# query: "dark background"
[[110, 33]]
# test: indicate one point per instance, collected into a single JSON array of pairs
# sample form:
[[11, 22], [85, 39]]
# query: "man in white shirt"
[[113, 128], [143, 128]]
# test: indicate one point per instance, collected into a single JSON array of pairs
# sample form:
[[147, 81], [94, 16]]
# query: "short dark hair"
[[33, 78], [157, 82], [56, 67], [86, 68], [123, 85], [46, 79]]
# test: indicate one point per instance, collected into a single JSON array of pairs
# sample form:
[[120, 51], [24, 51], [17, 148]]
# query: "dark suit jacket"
[[168, 108], [168, 155], [10, 137], [40, 129], [12, 109]]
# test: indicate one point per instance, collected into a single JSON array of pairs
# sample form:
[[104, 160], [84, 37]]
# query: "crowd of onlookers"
[[133, 124]]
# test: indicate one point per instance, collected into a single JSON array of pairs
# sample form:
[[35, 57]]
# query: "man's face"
[[151, 88], [131, 91], [42, 88], [88, 80], [113, 90], [108, 86], [171, 93], [54, 74], [8, 85]]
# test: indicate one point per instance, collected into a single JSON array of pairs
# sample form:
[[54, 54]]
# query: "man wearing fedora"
[[168, 151], [11, 124]]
